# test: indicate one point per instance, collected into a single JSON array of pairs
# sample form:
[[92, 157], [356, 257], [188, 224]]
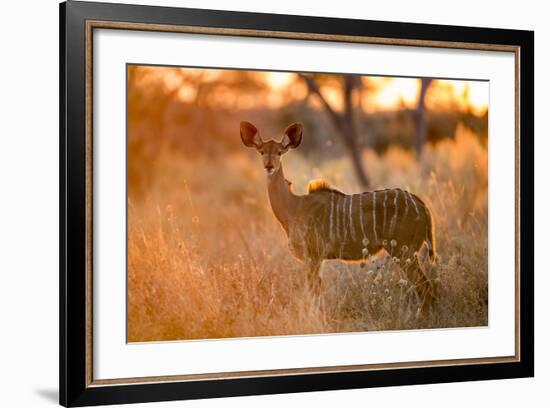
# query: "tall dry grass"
[[207, 258]]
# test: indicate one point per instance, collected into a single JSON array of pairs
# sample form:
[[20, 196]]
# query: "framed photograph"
[[256, 204]]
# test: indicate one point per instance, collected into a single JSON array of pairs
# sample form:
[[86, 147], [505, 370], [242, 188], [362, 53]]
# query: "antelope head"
[[271, 151]]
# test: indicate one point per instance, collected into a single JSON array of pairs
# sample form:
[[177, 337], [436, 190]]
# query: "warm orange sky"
[[385, 93], [391, 93]]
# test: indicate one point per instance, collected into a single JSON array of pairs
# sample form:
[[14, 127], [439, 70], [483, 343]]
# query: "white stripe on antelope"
[[344, 224], [395, 211], [351, 226], [374, 217], [414, 203], [331, 216], [385, 211], [337, 213], [364, 236]]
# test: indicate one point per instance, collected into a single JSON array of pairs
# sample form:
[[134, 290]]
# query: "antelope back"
[[346, 225]]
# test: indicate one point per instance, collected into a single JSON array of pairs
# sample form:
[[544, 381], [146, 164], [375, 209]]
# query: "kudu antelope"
[[328, 224]]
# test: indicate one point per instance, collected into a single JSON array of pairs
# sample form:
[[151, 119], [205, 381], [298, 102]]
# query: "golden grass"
[[207, 258]]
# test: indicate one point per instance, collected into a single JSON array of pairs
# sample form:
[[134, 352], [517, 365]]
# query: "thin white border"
[[114, 359]]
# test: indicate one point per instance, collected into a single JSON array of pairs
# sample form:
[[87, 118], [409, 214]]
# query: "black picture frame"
[[75, 387]]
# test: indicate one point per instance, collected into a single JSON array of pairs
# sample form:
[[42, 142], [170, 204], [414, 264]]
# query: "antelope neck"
[[283, 200]]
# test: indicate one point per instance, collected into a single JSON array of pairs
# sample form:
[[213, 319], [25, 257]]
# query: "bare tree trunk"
[[350, 131], [350, 141], [344, 122], [420, 118]]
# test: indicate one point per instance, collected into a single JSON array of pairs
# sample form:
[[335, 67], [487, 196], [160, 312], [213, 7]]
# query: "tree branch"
[[314, 89]]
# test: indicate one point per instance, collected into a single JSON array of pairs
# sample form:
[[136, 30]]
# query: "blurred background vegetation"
[[196, 112]]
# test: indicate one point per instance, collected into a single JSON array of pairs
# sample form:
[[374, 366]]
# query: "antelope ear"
[[250, 135], [293, 136]]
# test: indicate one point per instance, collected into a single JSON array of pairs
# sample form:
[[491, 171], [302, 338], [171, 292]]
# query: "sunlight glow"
[[279, 80], [379, 94], [393, 93], [462, 95]]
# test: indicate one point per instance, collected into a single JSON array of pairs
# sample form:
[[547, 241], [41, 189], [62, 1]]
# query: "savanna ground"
[[207, 258]]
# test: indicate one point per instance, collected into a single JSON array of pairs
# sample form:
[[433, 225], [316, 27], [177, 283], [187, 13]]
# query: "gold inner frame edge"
[[93, 24]]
